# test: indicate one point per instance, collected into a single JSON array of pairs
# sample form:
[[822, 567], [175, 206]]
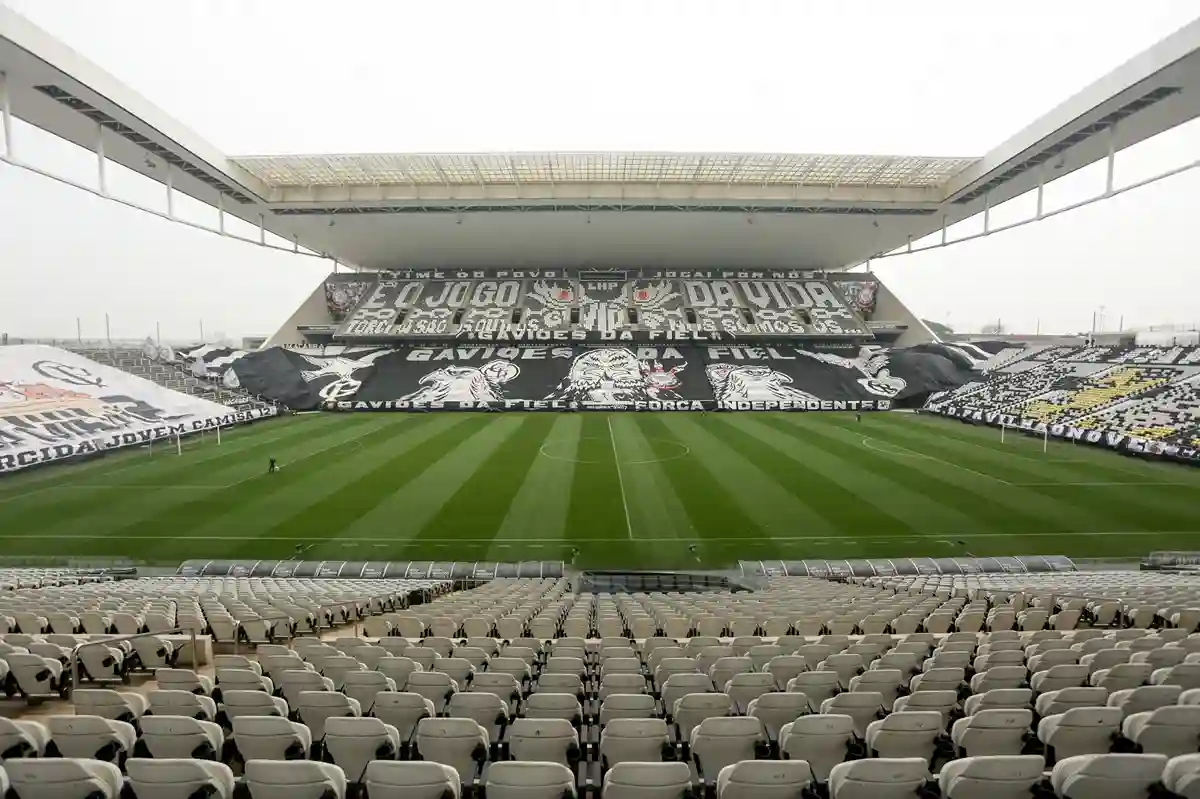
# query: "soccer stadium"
[[611, 474]]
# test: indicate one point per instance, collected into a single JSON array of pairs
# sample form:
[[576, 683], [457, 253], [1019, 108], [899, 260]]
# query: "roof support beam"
[[5, 118], [101, 162]]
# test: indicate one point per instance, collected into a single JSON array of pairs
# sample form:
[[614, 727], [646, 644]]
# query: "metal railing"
[[74, 662], [237, 625]]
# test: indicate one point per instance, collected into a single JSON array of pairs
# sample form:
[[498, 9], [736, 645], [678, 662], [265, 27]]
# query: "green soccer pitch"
[[622, 490]]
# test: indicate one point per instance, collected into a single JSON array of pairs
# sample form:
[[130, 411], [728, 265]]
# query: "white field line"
[[566, 542], [911, 453], [620, 478]]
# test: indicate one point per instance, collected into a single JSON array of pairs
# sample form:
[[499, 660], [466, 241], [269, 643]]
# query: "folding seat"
[[388, 779], [622, 665], [888, 683], [944, 702], [102, 663], [561, 684], [1032, 619], [1105, 776], [784, 667], [544, 740], [155, 652], [777, 709], [762, 654], [271, 738], [443, 645], [554, 706], [180, 736], [397, 669], [529, 781], [680, 685], [719, 742], [1147, 697], [1161, 658], [435, 686], [938, 679], [106, 703], [648, 781], [36, 676], [90, 736], [178, 778], [1105, 659], [909, 663], [846, 666], [403, 711], [668, 667], [901, 735], [1080, 731], [181, 703], [764, 780], [999, 677], [745, 688], [816, 685], [696, 643], [1122, 676], [624, 684], [862, 706], [425, 656], [1052, 658], [813, 654], [991, 777], [250, 703], [959, 661], [22, 738], [1172, 730], [183, 680], [458, 669], [992, 732], [353, 743], [724, 669], [1185, 675], [1056, 678], [485, 709], [459, 743], [241, 680], [313, 707], [1181, 776], [63, 778], [1003, 658], [869, 652], [1052, 703], [299, 780], [821, 740], [295, 681], [364, 686], [884, 778], [692, 709], [626, 706], [634, 740], [336, 668]]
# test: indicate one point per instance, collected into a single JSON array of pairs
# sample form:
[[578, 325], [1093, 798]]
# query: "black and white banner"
[[552, 377], [1099, 437], [56, 404]]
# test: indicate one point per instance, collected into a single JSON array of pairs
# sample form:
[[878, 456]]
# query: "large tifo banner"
[[55, 405], [530, 377], [1096, 436]]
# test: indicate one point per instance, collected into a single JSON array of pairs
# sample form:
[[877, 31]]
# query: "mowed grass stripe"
[[392, 467], [827, 483], [287, 511], [320, 454], [597, 509], [1078, 508], [946, 487], [704, 487], [540, 505], [105, 470], [477, 508], [75, 510], [654, 508]]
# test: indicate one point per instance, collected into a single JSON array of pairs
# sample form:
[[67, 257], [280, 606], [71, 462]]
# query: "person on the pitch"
[[858, 417], [272, 467]]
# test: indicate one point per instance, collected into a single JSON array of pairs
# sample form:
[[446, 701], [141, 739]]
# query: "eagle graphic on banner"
[[616, 375], [344, 371], [752, 383]]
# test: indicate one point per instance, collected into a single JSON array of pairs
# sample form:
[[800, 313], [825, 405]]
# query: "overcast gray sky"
[[295, 76]]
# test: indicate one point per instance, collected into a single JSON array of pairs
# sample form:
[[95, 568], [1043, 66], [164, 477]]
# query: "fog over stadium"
[[776, 77]]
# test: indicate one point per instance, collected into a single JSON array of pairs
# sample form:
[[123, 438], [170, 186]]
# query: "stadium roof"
[[524, 169], [605, 209]]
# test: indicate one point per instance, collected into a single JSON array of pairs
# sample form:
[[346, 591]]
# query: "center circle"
[[555, 451]]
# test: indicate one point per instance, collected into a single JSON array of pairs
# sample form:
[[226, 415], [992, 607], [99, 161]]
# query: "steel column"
[[5, 117], [170, 192], [1112, 161], [101, 168], [1041, 193], [987, 214], [221, 214]]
